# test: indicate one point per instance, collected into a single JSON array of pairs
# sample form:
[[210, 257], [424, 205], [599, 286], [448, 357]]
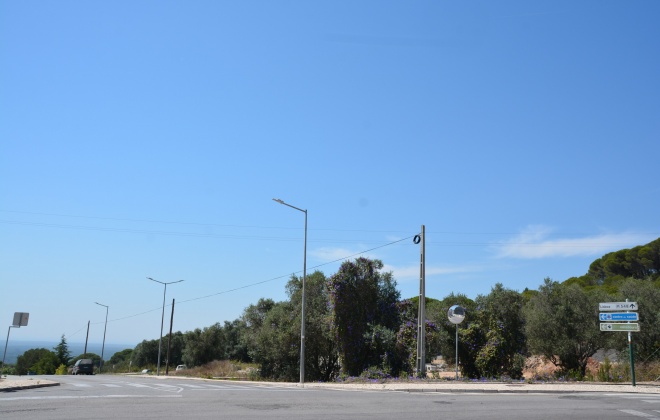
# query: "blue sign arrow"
[[619, 316]]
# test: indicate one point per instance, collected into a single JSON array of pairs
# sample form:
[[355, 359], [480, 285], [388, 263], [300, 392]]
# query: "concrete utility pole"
[[169, 343], [86, 339], [421, 316]]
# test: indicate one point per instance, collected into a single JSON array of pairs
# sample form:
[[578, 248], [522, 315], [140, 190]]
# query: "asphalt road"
[[121, 397]]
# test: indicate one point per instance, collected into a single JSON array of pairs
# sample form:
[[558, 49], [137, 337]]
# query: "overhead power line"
[[257, 283]]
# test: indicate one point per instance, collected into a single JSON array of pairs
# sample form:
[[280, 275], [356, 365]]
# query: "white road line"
[[79, 385], [111, 385], [191, 386], [639, 414]]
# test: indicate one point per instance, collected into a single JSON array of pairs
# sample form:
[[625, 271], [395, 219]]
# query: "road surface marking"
[[639, 414]]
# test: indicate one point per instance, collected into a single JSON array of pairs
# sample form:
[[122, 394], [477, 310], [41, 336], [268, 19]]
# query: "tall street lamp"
[[162, 318], [302, 315], [104, 330]]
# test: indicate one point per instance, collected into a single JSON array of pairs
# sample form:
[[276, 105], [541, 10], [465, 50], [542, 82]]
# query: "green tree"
[[252, 319], [500, 317], [647, 340], [361, 298], [277, 343], [121, 357], [235, 346], [41, 361], [47, 364], [321, 356], [62, 352], [641, 262], [203, 346], [562, 324], [145, 353], [174, 345], [447, 330]]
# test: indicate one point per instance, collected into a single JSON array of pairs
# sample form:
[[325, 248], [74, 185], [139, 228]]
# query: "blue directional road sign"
[[619, 316]]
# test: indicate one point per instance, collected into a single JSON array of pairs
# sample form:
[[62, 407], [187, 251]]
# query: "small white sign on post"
[[617, 306]]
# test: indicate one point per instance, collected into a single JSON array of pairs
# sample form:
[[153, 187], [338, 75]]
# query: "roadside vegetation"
[[359, 328]]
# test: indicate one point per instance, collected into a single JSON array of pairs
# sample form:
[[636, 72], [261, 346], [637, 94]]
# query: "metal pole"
[[5, 353], [457, 352], [632, 358], [632, 355], [302, 314], [169, 343]]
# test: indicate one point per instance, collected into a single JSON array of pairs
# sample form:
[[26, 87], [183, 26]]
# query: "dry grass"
[[222, 369]]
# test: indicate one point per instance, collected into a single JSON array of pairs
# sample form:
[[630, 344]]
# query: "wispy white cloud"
[[534, 243]]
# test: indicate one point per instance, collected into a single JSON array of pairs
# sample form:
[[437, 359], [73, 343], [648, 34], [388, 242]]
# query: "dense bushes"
[[356, 324]]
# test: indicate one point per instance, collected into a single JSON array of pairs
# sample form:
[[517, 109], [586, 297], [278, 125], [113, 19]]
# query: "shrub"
[[61, 370]]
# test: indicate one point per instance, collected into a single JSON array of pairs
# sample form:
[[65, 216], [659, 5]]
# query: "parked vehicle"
[[181, 367], [83, 367]]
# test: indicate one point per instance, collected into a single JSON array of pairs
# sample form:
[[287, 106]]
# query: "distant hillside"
[[641, 262]]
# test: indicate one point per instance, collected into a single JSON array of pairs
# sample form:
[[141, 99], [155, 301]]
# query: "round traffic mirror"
[[456, 314]]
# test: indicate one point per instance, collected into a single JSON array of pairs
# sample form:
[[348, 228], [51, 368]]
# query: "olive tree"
[[562, 324]]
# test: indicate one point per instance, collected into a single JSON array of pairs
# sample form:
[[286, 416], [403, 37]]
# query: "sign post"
[[20, 320], [627, 326], [456, 315]]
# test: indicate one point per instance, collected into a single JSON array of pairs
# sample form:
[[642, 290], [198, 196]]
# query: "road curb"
[[13, 388]]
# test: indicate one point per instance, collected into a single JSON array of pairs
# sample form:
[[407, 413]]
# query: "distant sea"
[[17, 348]]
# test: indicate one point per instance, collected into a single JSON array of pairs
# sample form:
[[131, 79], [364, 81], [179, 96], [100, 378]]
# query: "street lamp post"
[[302, 314], [162, 318], [105, 328]]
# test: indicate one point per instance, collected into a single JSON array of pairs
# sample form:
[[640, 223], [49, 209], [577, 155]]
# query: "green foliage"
[[121, 357], [61, 370], [491, 339], [641, 262], [361, 297], [562, 324], [321, 355], [40, 361], [204, 346], [406, 347], [62, 351], [235, 347], [500, 316], [278, 343], [173, 344], [647, 340], [145, 353], [356, 325]]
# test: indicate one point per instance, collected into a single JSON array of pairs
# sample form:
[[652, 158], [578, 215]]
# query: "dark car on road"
[[83, 367]]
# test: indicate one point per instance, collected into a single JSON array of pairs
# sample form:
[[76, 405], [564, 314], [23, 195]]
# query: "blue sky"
[[147, 139]]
